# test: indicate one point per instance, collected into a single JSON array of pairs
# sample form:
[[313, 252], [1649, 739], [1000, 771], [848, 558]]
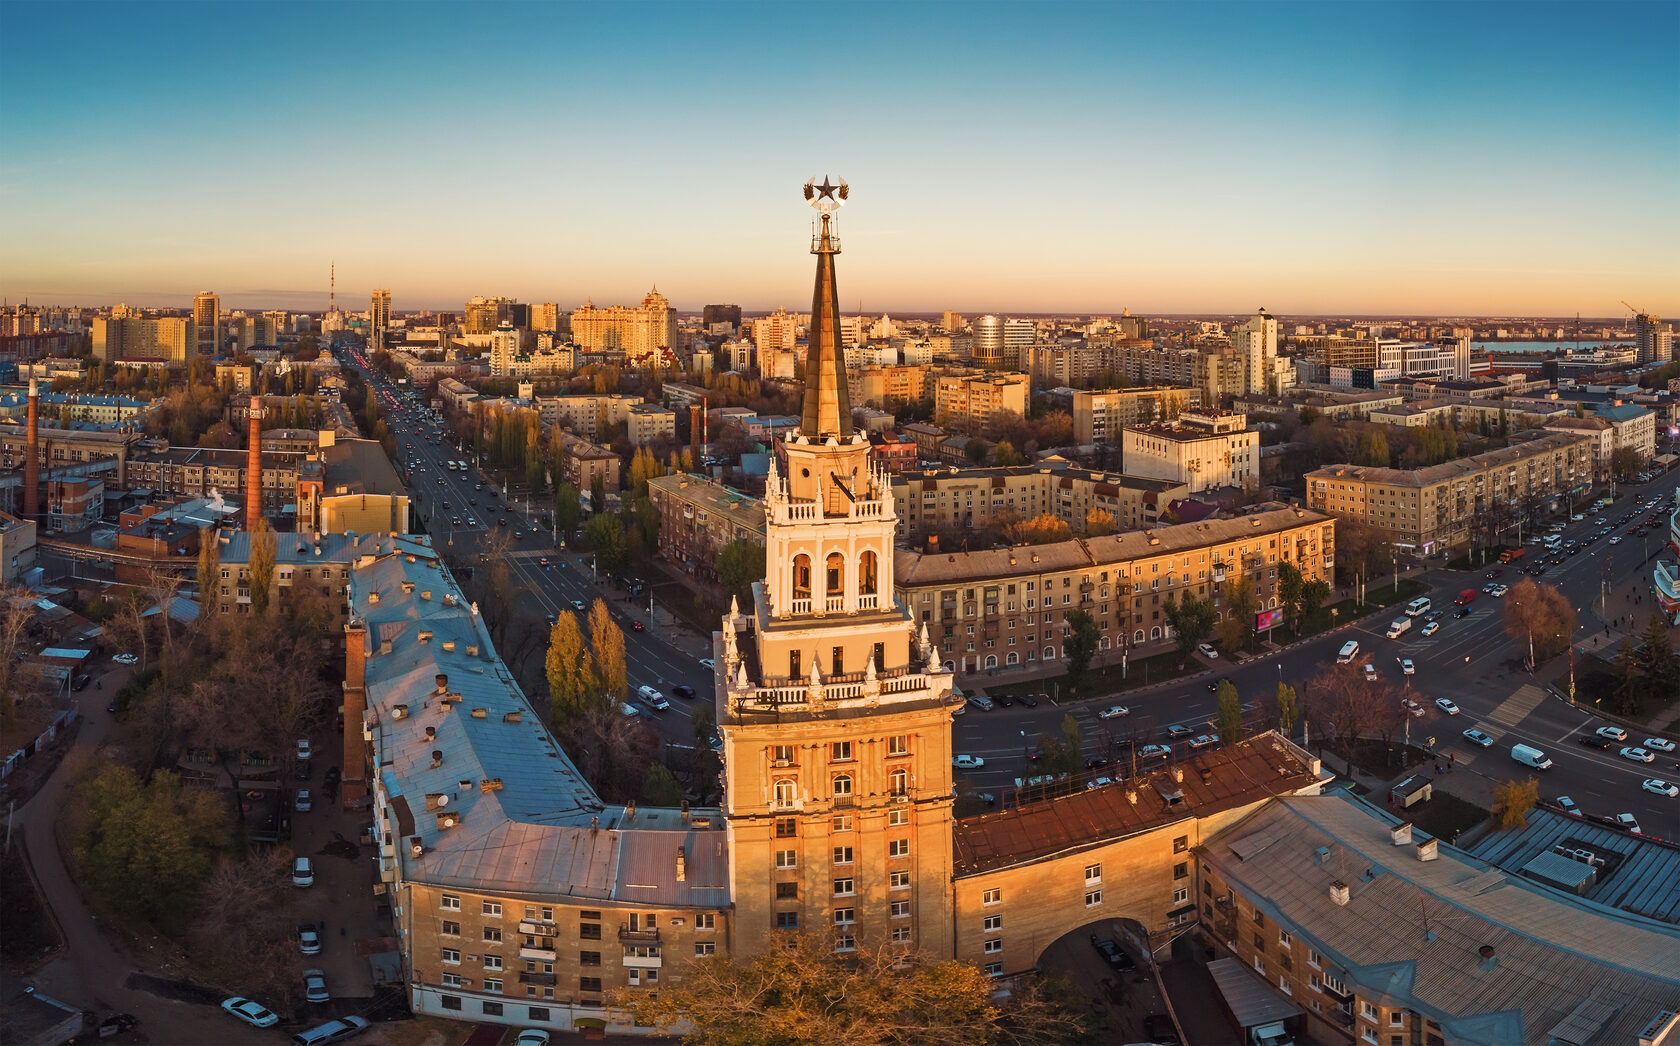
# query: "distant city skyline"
[[1384, 160]]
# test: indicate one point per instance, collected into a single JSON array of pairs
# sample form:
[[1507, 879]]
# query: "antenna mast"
[[332, 287]]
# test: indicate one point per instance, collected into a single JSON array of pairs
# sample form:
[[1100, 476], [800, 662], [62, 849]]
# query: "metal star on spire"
[[827, 196]]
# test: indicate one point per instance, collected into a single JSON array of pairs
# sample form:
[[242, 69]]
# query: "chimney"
[[933, 543], [442, 682], [253, 463], [682, 865], [1427, 850], [1401, 833], [32, 456], [1490, 957], [1339, 892]]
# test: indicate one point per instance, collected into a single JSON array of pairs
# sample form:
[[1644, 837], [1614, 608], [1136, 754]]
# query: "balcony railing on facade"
[[799, 693], [646, 935]]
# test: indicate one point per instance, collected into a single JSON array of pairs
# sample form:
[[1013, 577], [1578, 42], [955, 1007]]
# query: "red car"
[[637, 626]]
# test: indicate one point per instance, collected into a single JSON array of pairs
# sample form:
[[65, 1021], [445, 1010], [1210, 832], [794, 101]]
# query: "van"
[[303, 872], [980, 701], [1349, 651], [336, 1030], [654, 698], [1418, 606], [1399, 627], [1530, 757]]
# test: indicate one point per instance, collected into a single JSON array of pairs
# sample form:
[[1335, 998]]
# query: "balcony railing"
[[642, 936], [536, 978]]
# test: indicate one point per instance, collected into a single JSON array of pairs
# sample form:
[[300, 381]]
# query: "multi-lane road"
[[1470, 660]]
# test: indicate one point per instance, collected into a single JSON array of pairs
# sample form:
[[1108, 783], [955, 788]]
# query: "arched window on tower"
[[866, 573], [802, 576], [836, 571]]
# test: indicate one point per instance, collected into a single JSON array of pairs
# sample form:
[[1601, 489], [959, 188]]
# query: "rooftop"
[[475, 779], [916, 568], [1644, 878], [741, 509], [1450, 469], [1245, 773], [359, 466], [1412, 931]]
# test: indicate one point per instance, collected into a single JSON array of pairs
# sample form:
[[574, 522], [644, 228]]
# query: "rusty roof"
[[1263, 766]]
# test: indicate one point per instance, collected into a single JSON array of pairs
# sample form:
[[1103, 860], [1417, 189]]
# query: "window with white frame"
[[994, 969], [493, 984], [900, 934], [843, 888], [843, 784], [1260, 964], [703, 948], [1093, 898], [452, 956], [845, 916], [451, 980], [993, 896], [492, 962], [841, 823], [842, 855], [898, 744], [705, 921], [992, 923], [900, 909], [898, 818], [1285, 939], [1181, 895], [994, 945], [786, 859], [898, 848], [1093, 874], [899, 880], [1367, 1011], [449, 902], [845, 943], [493, 909], [898, 782]]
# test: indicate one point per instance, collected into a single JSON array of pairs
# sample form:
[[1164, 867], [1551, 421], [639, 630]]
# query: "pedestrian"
[[1452, 757]]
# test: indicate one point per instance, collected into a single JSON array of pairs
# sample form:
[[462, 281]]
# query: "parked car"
[[1406, 667], [1594, 741], [1178, 730], [336, 1030], [303, 802], [126, 659], [1626, 821], [1114, 712], [1030, 700], [1477, 737], [303, 748], [1206, 650], [1446, 706], [968, 762], [1112, 953], [531, 1037], [315, 986], [1148, 752], [1370, 673], [1567, 805], [303, 872], [1659, 744], [253, 1013], [1203, 741], [309, 939]]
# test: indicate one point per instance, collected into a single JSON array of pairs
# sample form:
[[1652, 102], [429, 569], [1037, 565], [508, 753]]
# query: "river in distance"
[[1586, 344]]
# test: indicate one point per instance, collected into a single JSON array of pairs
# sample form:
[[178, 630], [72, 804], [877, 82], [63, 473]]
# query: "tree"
[[1628, 698], [1314, 594], [1512, 800], [661, 787], [1192, 620], [1361, 550], [1373, 449], [245, 925], [1060, 753], [1540, 618], [1288, 708], [597, 494], [1006, 454], [261, 566], [570, 671], [1340, 705], [606, 538], [606, 640], [1289, 586], [1236, 630], [209, 575], [804, 993], [1625, 462], [567, 511], [1043, 529], [1100, 523], [738, 565], [1228, 720], [1079, 645], [1659, 666]]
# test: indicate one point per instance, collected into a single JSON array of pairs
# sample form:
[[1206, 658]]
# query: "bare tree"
[[1540, 619], [1343, 707]]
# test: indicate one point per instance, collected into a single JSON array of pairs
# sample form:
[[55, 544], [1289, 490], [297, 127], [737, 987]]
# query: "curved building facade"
[[988, 341]]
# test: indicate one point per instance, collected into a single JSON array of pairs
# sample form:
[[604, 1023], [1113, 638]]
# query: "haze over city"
[[1407, 159]]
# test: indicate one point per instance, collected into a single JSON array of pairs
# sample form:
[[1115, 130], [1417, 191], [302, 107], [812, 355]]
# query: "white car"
[[1661, 787], [253, 1013], [1370, 673], [1499, 591], [1627, 821], [577, 605], [1431, 628], [1567, 805], [1477, 737], [1611, 733], [126, 659], [303, 749], [531, 1037], [1446, 706], [1406, 667], [1616, 540], [1659, 744], [1412, 708], [1638, 755], [968, 762], [1206, 650], [315, 986], [1116, 711], [309, 940]]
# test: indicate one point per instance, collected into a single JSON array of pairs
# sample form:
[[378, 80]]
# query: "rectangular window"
[[1093, 874], [843, 888], [492, 962], [840, 751], [451, 929], [900, 909], [898, 848], [898, 818], [993, 896], [493, 934], [787, 920], [994, 945], [992, 923], [452, 980], [786, 859], [842, 855], [452, 956], [1260, 963], [589, 931], [899, 880], [539, 1013], [1181, 870], [589, 984], [584, 959], [994, 969], [845, 943], [1181, 844], [449, 902], [1284, 939], [901, 934], [898, 745], [841, 823], [705, 921], [786, 827], [1180, 895], [493, 984], [1367, 1011], [493, 909], [784, 754], [1397, 1018], [845, 916], [1313, 958], [702, 948], [787, 891], [1093, 898]]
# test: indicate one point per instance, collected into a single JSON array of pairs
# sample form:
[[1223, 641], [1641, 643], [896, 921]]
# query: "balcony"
[[539, 929], [628, 936], [546, 979], [539, 954], [635, 961]]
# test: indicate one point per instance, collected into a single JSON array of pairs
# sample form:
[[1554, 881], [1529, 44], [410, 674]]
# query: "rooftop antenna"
[[332, 287]]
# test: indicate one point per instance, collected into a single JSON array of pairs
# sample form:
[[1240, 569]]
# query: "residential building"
[[17, 547], [379, 320], [585, 414], [932, 499], [698, 517], [1098, 417], [584, 462], [200, 472], [646, 422], [504, 349], [207, 323], [637, 335], [881, 386], [312, 564], [1599, 430], [977, 401], [1634, 427], [987, 347], [1204, 450], [951, 321], [999, 608], [1653, 338], [484, 315], [169, 338], [547, 317], [455, 393], [1256, 341], [1480, 497]]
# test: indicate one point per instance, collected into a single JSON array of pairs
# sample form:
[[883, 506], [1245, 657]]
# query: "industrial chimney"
[[32, 456], [253, 463]]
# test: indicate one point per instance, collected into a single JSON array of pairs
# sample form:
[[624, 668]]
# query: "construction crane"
[[1636, 312]]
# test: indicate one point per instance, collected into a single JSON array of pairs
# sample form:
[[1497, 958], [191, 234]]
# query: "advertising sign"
[[1267, 618]]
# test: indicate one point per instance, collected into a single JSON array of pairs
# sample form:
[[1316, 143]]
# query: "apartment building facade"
[[1446, 505], [1098, 417], [975, 401], [698, 517], [930, 499], [1202, 449]]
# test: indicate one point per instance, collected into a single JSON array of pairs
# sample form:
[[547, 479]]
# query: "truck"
[[1530, 756], [1511, 555], [1399, 627], [1262, 1015]]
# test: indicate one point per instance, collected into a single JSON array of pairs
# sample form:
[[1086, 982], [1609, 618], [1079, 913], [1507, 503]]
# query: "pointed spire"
[[827, 410], [734, 611]]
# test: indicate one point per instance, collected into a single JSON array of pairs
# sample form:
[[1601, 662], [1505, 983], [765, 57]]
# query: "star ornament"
[[827, 195]]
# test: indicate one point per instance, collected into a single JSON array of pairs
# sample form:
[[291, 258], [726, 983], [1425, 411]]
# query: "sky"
[[1321, 158]]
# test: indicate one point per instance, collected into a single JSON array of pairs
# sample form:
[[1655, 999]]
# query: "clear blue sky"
[[1330, 157]]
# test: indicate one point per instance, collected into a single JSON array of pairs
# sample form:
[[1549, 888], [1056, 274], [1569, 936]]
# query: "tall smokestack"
[[32, 459], [253, 463]]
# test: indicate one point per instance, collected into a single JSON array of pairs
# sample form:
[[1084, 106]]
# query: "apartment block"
[[977, 497], [976, 400], [1203, 450], [585, 414], [1098, 417], [169, 338], [698, 517], [646, 422]]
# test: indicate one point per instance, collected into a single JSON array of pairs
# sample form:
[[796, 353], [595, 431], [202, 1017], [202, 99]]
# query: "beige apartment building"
[[635, 334], [585, 461], [584, 414], [1002, 607], [1098, 417], [1444, 505], [646, 422], [698, 517], [170, 338], [974, 401], [931, 499], [1202, 450], [902, 383]]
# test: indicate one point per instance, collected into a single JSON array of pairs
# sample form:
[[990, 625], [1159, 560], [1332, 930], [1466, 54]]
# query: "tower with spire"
[[834, 711]]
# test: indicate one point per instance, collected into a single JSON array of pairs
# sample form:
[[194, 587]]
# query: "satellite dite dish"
[[443, 800]]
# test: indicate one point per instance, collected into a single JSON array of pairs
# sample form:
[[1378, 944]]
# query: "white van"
[[1418, 606], [1349, 651], [1530, 757], [1399, 627]]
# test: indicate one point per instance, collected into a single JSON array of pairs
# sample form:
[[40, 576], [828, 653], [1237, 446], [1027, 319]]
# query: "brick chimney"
[[32, 458], [253, 463]]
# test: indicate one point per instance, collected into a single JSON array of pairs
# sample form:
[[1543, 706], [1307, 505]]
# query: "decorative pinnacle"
[[827, 197]]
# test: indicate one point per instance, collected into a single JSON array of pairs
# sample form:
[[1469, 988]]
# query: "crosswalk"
[[1510, 712]]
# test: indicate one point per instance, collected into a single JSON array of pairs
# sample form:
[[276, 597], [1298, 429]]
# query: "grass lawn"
[[1444, 815], [1348, 610], [1098, 682]]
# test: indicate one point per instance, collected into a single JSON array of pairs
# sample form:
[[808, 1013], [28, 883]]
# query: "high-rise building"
[[171, 338], [504, 348], [379, 319], [1653, 338], [484, 315], [207, 316], [951, 321], [546, 317], [1018, 338], [988, 341], [730, 314], [634, 334], [1257, 341]]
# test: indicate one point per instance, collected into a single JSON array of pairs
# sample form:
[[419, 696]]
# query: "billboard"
[[1267, 618]]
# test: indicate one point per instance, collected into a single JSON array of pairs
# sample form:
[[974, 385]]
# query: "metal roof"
[[1645, 881]]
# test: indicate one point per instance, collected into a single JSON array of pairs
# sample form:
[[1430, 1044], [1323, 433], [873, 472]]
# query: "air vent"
[[512, 717], [373, 597], [490, 784], [416, 846], [472, 649], [425, 636], [426, 594], [1339, 893], [449, 646], [408, 587], [1401, 834], [399, 711], [480, 713]]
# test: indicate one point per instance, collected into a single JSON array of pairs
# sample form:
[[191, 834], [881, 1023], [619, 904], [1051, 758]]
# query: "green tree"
[[1628, 697], [606, 538], [739, 564], [661, 788], [1659, 666], [567, 511], [261, 566], [1236, 629], [1228, 720], [1314, 594], [1373, 449], [1290, 584], [1288, 708], [1061, 753], [1006, 454], [597, 495], [1192, 620], [1079, 645], [975, 451]]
